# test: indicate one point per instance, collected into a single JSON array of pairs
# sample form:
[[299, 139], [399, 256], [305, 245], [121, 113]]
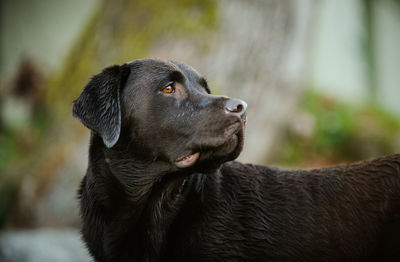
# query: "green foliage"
[[340, 132], [7, 194], [8, 150], [17, 144]]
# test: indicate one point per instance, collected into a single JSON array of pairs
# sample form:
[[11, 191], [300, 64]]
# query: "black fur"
[[98, 107], [138, 205]]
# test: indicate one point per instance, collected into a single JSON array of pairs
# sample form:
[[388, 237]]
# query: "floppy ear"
[[98, 107]]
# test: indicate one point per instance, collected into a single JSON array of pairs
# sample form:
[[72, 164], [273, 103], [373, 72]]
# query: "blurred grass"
[[340, 133]]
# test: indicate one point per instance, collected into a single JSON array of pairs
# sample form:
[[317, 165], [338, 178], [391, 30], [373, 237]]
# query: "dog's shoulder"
[[238, 168]]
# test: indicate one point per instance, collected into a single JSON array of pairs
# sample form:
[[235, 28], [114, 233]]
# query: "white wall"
[[388, 54], [338, 65]]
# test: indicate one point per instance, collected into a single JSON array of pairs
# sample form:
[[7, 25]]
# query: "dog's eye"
[[169, 89]]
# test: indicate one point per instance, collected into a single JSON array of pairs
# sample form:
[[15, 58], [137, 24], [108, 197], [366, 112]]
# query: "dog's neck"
[[137, 176], [152, 196], [134, 172]]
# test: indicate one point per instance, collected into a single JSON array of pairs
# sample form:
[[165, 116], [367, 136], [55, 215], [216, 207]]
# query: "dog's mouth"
[[187, 161], [233, 140]]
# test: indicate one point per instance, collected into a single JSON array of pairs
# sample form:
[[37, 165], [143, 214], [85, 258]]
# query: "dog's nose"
[[235, 106]]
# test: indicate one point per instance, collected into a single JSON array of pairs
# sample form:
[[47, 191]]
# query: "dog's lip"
[[188, 160]]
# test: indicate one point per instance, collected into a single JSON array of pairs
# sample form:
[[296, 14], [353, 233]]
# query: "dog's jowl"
[[161, 183]]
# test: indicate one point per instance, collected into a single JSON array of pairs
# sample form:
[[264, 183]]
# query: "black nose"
[[235, 106]]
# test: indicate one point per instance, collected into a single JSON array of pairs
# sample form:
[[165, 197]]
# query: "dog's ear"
[[98, 107]]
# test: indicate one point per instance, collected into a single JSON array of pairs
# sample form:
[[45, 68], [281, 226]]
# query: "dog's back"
[[342, 213]]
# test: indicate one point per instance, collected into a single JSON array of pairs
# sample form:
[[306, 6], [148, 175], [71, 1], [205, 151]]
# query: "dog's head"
[[164, 109]]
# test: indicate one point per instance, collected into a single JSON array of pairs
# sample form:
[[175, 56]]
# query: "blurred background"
[[321, 78]]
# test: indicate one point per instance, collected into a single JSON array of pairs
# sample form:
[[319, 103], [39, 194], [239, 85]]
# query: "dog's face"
[[164, 108]]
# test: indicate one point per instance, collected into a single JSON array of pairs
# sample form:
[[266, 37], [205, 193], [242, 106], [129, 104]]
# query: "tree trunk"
[[257, 53]]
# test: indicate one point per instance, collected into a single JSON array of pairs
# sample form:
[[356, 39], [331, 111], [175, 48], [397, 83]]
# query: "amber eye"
[[169, 89]]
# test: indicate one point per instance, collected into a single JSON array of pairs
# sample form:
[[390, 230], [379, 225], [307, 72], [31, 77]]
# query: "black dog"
[[160, 187]]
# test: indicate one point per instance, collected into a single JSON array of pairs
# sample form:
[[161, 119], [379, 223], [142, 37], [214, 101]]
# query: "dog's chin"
[[230, 147], [228, 151], [211, 154]]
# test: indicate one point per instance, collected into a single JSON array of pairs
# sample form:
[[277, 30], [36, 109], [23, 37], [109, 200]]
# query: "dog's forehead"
[[161, 67], [187, 69]]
